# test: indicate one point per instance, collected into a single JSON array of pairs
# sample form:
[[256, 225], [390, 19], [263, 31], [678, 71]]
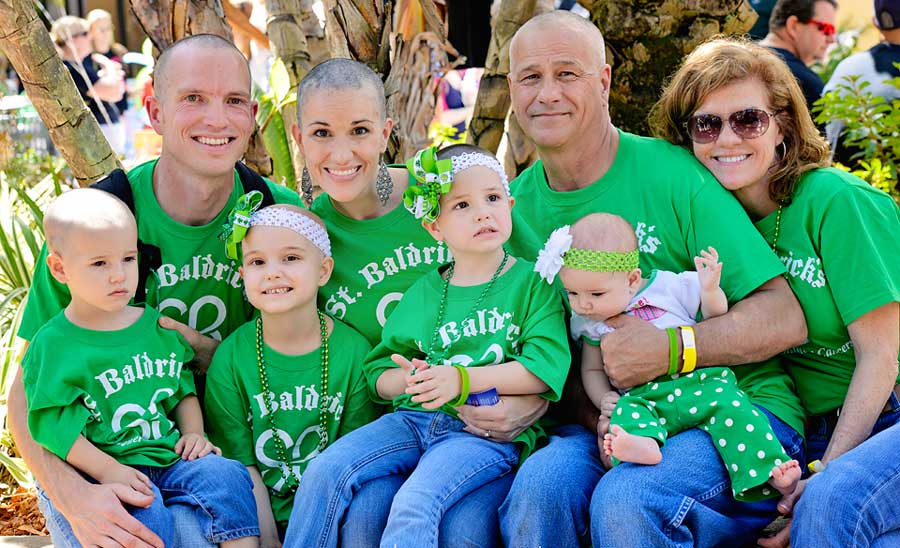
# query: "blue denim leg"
[[387, 446], [551, 493], [472, 522], [219, 489], [188, 533], [156, 517], [855, 500], [818, 431], [454, 464], [60, 531], [683, 501]]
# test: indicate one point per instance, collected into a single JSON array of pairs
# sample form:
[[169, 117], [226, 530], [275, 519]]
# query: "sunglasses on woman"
[[747, 124]]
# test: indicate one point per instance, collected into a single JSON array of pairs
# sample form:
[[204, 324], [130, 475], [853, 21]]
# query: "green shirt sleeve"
[[862, 271], [55, 417], [545, 345], [226, 410], [718, 220], [45, 298], [284, 195]]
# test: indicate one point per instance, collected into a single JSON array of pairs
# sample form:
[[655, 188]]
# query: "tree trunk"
[[167, 21], [493, 102], [646, 41], [49, 85]]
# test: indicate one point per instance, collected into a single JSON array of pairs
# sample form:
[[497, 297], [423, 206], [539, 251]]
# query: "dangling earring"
[[306, 187], [384, 184]]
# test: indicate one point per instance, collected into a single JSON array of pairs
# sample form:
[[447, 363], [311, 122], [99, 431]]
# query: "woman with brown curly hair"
[[738, 108]]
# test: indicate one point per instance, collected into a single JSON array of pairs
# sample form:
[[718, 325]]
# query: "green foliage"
[[272, 127], [28, 181], [872, 127]]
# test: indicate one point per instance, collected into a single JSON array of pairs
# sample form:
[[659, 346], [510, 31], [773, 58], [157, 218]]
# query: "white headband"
[[471, 159], [299, 223]]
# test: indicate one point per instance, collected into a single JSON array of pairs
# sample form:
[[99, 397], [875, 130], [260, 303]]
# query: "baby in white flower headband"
[[598, 266]]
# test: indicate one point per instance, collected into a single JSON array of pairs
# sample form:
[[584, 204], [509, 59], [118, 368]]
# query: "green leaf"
[[17, 469], [279, 80]]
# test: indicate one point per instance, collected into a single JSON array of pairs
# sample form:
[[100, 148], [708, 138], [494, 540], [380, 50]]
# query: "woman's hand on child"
[[434, 386], [709, 269], [193, 446], [129, 477]]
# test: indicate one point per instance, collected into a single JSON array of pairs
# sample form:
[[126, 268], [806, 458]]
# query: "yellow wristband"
[[688, 349], [815, 466]]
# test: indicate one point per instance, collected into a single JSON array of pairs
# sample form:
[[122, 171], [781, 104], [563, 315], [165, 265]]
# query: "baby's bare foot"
[[785, 477], [630, 448]]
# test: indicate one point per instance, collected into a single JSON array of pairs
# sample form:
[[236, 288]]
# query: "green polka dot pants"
[[708, 399]]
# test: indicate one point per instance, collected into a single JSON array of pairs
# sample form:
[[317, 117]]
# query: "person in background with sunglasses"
[[560, 84], [800, 32], [735, 106]]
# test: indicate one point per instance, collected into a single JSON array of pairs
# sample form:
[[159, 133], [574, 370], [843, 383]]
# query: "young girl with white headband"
[[480, 328], [285, 385], [597, 262]]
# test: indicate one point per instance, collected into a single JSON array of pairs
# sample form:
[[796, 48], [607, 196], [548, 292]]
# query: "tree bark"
[[73, 128], [646, 41], [167, 21], [493, 101]]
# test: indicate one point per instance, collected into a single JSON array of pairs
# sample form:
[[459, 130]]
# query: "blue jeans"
[[196, 504], [685, 500], [855, 501], [470, 523], [444, 463]]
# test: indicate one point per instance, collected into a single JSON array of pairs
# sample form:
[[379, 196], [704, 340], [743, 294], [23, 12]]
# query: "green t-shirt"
[[677, 208], [839, 225], [521, 318], [117, 388], [375, 261], [197, 283], [238, 417]]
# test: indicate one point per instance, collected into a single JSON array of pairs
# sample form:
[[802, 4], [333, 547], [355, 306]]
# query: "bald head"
[[561, 20], [604, 232], [188, 47], [80, 212], [340, 74]]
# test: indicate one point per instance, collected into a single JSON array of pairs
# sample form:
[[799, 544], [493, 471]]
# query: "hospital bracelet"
[[689, 349], [463, 386], [673, 350]]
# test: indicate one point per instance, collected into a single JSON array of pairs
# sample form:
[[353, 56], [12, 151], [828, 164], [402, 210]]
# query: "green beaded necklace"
[[431, 356], [290, 478]]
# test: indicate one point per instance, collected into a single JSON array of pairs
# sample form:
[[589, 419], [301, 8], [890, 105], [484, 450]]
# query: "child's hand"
[[434, 386], [709, 269], [409, 367], [193, 446], [129, 477], [608, 402]]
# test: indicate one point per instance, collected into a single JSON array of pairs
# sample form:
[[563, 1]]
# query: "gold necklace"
[[777, 228]]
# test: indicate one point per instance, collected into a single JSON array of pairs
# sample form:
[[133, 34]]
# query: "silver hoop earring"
[[306, 187], [384, 184], [783, 149]]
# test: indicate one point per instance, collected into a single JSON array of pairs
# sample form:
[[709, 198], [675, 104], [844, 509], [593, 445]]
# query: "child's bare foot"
[[602, 429], [630, 448], [785, 477]]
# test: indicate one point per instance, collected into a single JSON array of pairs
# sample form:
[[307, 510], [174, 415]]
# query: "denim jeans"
[[685, 500], [444, 463], [855, 501], [196, 504], [470, 523]]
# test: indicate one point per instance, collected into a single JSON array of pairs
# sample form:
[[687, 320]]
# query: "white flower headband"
[[558, 252]]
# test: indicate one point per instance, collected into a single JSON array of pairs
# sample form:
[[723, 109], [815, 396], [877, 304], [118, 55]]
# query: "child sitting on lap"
[[107, 388], [598, 266], [484, 322], [282, 386]]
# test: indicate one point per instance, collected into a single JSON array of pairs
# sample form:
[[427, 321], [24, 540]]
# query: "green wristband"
[[673, 350], [463, 386]]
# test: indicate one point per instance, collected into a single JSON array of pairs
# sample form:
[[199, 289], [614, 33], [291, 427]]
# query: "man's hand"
[[782, 539], [193, 446], [128, 477], [434, 386], [99, 518], [204, 347], [635, 353], [505, 420]]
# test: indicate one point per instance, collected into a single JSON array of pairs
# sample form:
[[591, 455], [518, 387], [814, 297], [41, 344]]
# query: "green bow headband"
[[433, 178], [238, 222], [558, 253]]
